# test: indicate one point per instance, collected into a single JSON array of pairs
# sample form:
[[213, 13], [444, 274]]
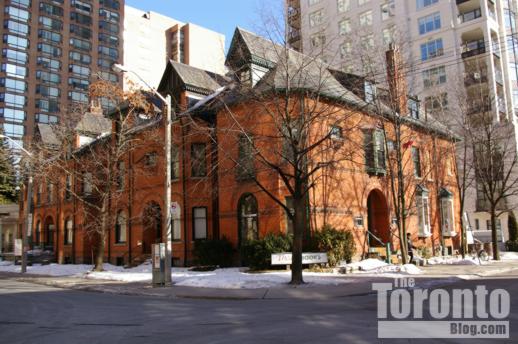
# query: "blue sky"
[[219, 15]]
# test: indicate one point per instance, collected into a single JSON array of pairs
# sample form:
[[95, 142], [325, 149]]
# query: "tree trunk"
[[462, 238], [99, 258], [496, 253], [298, 233], [401, 195]]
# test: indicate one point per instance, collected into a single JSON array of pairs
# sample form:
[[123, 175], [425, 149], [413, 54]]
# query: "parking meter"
[[158, 258]]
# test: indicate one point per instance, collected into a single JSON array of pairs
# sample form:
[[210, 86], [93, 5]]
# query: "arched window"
[[120, 228], [69, 231], [247, 217]]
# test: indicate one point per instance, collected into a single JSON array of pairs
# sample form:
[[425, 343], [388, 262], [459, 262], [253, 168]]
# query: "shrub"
[[257, 254], [338, 244], [513, 228], [511, 245], [214, 252]]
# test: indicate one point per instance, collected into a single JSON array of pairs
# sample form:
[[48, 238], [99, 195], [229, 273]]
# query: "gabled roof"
[[93, 124], [253, 48], [47, 135], [298, 72], [192, 78]]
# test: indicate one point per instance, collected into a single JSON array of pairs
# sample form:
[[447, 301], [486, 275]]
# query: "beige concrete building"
[[442, 40], [150, 39], [8, 227]]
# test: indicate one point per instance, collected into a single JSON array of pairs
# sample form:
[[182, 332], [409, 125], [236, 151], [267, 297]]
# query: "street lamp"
[[167, 185], [28, 210]]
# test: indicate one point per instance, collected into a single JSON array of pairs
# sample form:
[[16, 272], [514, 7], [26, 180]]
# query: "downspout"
[[184, 194], [215, 182], [73, 224], [130, 200]]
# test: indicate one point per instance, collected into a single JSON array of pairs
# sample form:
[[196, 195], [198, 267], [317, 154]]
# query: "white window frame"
[[366, 18], [343, 5], [199, 223], [176, 223], [344, 27], [316, 18], [423, 214], [447, 216]]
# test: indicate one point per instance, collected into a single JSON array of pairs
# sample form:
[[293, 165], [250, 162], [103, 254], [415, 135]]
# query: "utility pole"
[[167, 184]]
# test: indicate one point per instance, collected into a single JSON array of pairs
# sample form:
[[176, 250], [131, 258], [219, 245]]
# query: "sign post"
[[307, 258]]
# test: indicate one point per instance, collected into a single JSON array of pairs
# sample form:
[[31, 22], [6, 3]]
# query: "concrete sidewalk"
[[489, 269], [361, 286]]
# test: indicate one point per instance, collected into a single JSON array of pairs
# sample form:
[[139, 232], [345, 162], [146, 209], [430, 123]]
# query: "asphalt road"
[[32, 313]]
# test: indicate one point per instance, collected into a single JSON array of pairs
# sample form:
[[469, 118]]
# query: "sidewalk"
[[492, 268], [362, 285], [353, 284]]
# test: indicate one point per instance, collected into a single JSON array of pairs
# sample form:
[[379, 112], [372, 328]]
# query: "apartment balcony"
[[478, 107], [469, 16], [473, 48], [475, 79]]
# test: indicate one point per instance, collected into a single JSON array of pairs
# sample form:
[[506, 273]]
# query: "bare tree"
[[93, 172]]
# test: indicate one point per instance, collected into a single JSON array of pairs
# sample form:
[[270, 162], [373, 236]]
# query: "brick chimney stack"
[[396, 80]]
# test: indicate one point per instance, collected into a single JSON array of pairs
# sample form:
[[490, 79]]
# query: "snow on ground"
[[367, 264], [230, 278], [453, 261], [509, 255]]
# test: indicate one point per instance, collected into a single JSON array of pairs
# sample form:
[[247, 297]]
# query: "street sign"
[[307, 258]]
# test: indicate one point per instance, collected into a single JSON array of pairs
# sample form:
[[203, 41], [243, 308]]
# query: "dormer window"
[[370, 91], [244, 76], [413, 108]]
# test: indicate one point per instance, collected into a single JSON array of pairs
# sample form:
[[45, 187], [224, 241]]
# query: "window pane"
[[200, 223]]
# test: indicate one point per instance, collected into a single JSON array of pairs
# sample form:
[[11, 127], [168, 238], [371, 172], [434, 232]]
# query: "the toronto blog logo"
[[407, 311]]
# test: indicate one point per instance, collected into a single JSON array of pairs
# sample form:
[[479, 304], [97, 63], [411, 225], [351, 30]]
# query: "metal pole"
[[28, 220], [167, 195]]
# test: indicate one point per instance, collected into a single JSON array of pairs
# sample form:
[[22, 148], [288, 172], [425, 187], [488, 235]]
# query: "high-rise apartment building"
[[151, 39], [444, 42], [51, 50]]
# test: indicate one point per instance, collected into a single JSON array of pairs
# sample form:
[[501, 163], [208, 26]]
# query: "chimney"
[[396, 80], [96, 108]]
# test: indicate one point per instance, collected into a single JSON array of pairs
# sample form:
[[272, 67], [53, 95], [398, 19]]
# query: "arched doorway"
[[49, 234], [247, 214], [378, 218], [152, 221]]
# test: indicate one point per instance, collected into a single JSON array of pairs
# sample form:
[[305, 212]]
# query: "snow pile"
[[366, 264], [407, 269], [6, 263], [410, 269], [509, 255], [453, 261], [230, 278]]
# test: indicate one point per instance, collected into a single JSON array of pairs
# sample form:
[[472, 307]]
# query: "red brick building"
[[211, 196]]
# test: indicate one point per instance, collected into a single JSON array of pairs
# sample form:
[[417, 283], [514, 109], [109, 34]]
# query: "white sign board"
[[18, 247], [307, 258]]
